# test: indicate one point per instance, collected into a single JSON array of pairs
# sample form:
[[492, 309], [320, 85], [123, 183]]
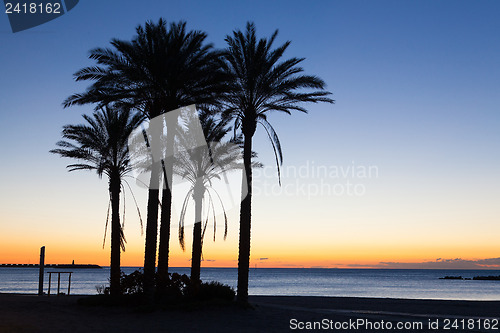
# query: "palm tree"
[[262, 83], [201, 166], [161, 69], [101, 145]]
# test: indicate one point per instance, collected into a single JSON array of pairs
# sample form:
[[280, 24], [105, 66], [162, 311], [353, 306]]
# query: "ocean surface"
[[394, 283]]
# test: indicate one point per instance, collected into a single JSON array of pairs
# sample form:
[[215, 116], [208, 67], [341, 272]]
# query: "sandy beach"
[[30, 313]]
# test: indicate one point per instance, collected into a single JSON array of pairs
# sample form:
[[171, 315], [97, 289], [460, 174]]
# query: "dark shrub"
[[177, 285], [215, 290], [178, 291], [132, 284]]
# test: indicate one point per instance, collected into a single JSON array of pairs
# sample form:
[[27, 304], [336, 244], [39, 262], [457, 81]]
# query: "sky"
[[403, 171]]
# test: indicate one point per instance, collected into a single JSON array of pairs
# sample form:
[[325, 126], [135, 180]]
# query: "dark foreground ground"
[[29, 313]]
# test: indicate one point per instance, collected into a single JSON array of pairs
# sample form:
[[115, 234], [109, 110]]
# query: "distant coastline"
[[51, 265], [480, 278]]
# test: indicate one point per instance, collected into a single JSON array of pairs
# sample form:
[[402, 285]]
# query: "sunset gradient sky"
[[417, 88]]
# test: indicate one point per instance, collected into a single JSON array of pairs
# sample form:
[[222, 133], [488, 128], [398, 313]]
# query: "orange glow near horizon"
[[364, 242], [220, 255]]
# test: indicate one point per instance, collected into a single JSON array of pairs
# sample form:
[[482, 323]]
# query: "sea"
[[392, 283]]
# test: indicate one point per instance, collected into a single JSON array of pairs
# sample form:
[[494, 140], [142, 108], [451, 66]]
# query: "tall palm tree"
[[161, 69], [262, 83], [201, 166], [101, 145]]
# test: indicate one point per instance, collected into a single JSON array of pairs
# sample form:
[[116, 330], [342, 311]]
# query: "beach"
[[30, 313]]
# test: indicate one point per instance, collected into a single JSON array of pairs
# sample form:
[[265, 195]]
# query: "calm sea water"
[[419, 284]]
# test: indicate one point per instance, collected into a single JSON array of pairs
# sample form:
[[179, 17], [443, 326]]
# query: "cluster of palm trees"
[[166, 67]]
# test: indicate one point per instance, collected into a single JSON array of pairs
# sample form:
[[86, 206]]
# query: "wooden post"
[[69, 283], [50, 278], [58, 283], [40, 275]]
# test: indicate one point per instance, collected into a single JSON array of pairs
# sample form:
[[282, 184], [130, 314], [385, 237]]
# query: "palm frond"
[[273, 137], [106, 226], [182, 218], [136, 206], [101, 144], [263, 82]]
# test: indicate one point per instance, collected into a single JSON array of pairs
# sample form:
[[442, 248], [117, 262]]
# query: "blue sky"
[[416, 86]]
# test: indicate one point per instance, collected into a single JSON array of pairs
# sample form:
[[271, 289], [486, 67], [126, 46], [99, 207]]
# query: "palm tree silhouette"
[[262, 83], [161, 69], [101, 145], [201, 166]]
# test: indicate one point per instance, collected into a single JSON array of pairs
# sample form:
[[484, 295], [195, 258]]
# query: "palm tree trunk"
[[163, 248], [151, 234], [114, 280], [166, 211], [196, 255], [156, 130], [245, 221]]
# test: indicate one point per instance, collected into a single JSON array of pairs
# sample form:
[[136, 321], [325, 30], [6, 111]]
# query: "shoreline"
[[262, 296], [32, 313]]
